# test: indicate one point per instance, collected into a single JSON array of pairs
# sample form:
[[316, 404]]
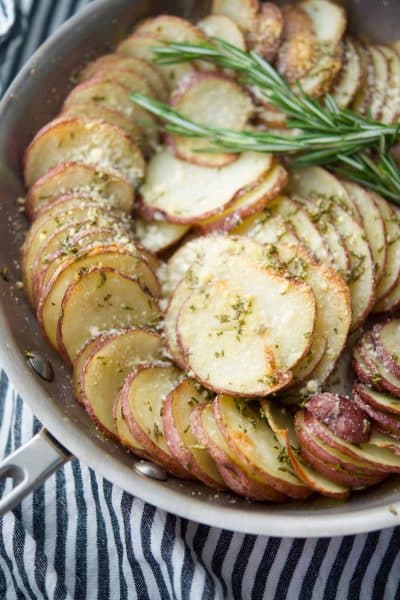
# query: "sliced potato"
[[106, 367], [137, 65], [382, 459], [296, 54], [249, 202], [380, 376], [184, 193], [129, 79], [168, 28], [391, 274], [365, 92], [71, 178], [180, 295], [333, 314], [123, 432], [266, 229], [391, 302], [181, 441], [237, 314], [327, 62], [380, 401], [140, 46], [373, 224], [115, 96], [266, 31], [100, 300], [158, 236], [243, 12], [93, 110], [328, 19], [142, 399], [210, 99], [391, 105], [348, 81], [224, 28], [386, 340], [85, 352], [381, 80], [49, 306], [95, 143], [253, 441], [235, 474]]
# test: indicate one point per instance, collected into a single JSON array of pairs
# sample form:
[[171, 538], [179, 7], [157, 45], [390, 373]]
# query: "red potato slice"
[[250, 202], [91, 110], [360, 367], [158, 236], [372, 222], [391, 275], [130, 63], [266, 31], [379, 458], [239, 312], [168, 28], [341, 415], [333, 318], [105, 369], [294, 216], [87, 350], [381, 80], [253, 441], [235, 474], [49, 305], [387, 422], [391, 105], [328, 19], [295, 56], [96, 143], [181, 441], [242, 12], [384, 440], [378, 400], [100, 300], [365, 92], [224, 28], [47, 224], [348, 80], [185, 193], [310, 182], [327, 62], [205, 98], [180, 295], [115, 96], [73, 178], [386, 340], [142, 399], [266, 229], [129, 79], [382, 378], [140, 46], [123, 433], [391, 302]]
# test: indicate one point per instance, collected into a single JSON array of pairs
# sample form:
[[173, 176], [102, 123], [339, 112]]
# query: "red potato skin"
[[177, 447], [388, 361], [235, 478], [298, 492], [315, 446], [361, 370], [363, 392], [224, 158], [315, 429], [230, 221], [76, 383], [340, 477], [136, 451], [379, 379], [385, 419], [168, 462], [345, 419]]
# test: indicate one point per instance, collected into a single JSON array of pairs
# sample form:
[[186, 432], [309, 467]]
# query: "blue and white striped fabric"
[[77, 536]]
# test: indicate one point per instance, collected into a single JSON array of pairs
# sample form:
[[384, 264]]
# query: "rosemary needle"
[[348, 143]]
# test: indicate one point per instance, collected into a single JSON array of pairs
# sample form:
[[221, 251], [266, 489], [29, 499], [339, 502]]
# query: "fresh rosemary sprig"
[[348, 143]]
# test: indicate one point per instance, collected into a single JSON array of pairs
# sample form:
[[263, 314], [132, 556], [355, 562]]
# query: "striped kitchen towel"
[[78, 536]]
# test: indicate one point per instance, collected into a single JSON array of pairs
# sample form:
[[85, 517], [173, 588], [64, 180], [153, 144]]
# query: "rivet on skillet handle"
[[29, 466]]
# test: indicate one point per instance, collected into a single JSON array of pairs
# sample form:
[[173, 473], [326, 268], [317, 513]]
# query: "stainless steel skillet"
[[32, 100]]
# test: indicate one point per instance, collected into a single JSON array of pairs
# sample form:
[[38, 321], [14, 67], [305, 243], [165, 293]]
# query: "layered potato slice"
[[237, 476], [177, 408], [348, 81], [79, 178], [158, 236], [168, 28], [234, 318], [213, 100], [185, 193], [242, 12], [95, 143], [142, 398], [266, 32], [123, 432], [224, 28], [391, 105], [333, 314], [381, 76], [129, 263], [100, 300], [250, 437], [100, 376], [391, 275], [295, 56], [139, 45]]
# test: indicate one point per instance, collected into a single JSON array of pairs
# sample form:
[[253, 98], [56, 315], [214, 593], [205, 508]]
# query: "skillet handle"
[[29, 466]]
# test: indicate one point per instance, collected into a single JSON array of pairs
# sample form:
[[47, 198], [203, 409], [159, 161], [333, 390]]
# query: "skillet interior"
[[31, 101]]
